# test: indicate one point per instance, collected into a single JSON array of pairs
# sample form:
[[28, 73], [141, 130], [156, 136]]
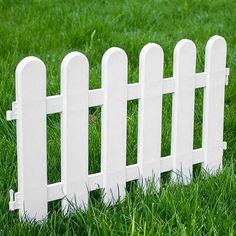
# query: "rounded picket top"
[[151, 61], [215, 42], [29, 65], [151, 50], [215, 55], [113, 55], [184, 55], [74, 74], [73, 60], [30, 77], [184, 47]]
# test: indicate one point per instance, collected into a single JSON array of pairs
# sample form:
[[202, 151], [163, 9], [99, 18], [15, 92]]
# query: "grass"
[[51, 29]]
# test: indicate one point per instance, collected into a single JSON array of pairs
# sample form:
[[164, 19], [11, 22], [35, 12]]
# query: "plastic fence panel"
[[32, 106]]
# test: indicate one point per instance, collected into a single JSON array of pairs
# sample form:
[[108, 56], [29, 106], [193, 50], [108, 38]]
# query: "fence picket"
[[213, 111], [150, 113], [74, 130], [114, 112], [31, 138], [32, 106], [183, 110]]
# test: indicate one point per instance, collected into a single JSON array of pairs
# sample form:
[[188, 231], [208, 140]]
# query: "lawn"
[[50, 30]]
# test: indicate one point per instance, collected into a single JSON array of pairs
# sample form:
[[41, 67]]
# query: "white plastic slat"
[[168, 85], [54, 103], [74, 130], [95, 97], [55, 191], [200, 80], [150, 113], [213, 110], [183, 110], [31, 138], [198, 156], [114, 115], [133, 91], [166, 164], [95, 181], [132, 172], [32, 106]]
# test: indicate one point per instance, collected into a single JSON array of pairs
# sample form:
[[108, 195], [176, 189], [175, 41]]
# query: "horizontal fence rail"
[[95, 96], [32, 107]]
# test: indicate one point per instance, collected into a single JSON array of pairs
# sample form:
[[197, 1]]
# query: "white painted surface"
[[95, 181], [54, 103], [74, 130], [150, 113], [32, 106], [213, 111], [113, 134], [183, 110], [31, 137]]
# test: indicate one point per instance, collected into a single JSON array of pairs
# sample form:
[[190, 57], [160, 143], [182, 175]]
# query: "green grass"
[[51, 29]]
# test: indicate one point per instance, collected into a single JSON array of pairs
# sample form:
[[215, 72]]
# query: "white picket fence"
[[32, 106]]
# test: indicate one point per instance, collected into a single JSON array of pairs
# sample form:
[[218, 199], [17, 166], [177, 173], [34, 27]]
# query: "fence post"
[[150, 113], [183, 110], [213, 110], [74, 131], [31, 138], [114, 116]]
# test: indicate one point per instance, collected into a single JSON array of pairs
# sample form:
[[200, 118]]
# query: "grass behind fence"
[[50, 30]]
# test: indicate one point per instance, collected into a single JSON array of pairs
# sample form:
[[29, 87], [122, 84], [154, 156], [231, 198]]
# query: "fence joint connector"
[[224, 145], [14, 202], [12, 114], [227, 77]]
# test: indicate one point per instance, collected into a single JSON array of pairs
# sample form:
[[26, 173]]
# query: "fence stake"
[[114, 115], [213, 111], [150, 113], [74, 130], [183, 110], [31, 138]]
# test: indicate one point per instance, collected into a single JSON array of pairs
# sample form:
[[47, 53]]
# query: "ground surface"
[[49, 30]]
